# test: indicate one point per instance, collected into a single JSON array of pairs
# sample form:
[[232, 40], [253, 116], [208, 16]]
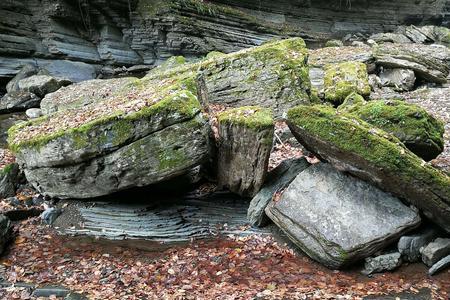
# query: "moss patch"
[[253, 117], [345, 78]]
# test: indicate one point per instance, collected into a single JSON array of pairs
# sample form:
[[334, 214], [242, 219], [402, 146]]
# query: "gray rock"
[[277, 180], [33, 113], [337, 219], [334, 43], [243, 133], [42, 85], [440, 266], [382, 263], [18, 101], [409, 246], [6, 231], [429, 62], [9, 179], [75, 71], [435, 251], [50, 215], [398, 79], [26, 71], [354, 146], [51, 290], [390, 37]]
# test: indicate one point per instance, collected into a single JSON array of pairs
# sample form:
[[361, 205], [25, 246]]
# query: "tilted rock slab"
[[152, 130], [353, 145], [430, 62], [245, 142], [338, 219]]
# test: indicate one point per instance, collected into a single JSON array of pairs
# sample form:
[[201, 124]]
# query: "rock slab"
[[337, 219], [435, 251]]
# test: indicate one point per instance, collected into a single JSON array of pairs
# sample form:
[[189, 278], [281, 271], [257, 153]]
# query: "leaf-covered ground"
[[226, 268]]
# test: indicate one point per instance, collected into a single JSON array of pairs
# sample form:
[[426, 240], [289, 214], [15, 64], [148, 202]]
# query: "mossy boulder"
[[148, 131], [244, 145], [355, 146], [419, 131], [345, 78]]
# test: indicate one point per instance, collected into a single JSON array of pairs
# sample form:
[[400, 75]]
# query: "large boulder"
[[429, 62], [337, 219], [26, 71], [345, 78], [278, 179], [42, 85], [357, 147], [245, 142], [149, 131], [274, 75], [419, 131]]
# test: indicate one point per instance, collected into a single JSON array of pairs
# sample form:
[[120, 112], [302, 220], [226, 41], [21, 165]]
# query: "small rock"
[[398, 79], [409, 245], [5, 232], [33, 113], [440, 265], [435, 251], [382, 263], [334, 43], [38, 200], [50, 215]]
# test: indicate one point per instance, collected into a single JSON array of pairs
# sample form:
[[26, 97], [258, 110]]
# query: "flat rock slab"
[[440, 265], [338, 219], [169, 222]]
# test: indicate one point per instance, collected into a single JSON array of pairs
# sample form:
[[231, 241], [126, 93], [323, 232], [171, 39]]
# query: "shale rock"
[[419, 131], [42, 85], [429, 62], [9, 180], [278, 179], [18, 101], [382, 263], [354, 146], [25, 72], [399, 79], [435, 251], [345, 78], [390, 37], [5, 232], [409, 246], [150, 131], [314, 213], [440, 266], [245, 142]]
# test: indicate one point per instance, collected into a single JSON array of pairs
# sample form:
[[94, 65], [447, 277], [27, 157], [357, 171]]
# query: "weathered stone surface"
[[353, 145], [33, 113], [5, 232], [345, 78], [435, 251], [9, 179], [334, 43], [245, 142], [426, 34], [430, 62], [274, 76], [398, 79], [277, 180], [42, 85], [318, 213], [412, 125], [18, 101], [84, 93], [409, 245], [382, 263], [440, 266], [390, 37], [26, 71], [148, 132]]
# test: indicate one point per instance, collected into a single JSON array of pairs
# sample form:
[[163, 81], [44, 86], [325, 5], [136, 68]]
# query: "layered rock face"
[[122, 32]]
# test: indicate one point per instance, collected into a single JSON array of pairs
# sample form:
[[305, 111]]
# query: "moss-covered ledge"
[[72, 136], [253, 117], [355, 146]]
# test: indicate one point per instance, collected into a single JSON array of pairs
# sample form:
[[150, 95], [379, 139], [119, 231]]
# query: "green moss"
[[253, 117], [170, 159], [7, 169], [418, 130], [214, 54], [350, 134], [352, 100], [345, 78]]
